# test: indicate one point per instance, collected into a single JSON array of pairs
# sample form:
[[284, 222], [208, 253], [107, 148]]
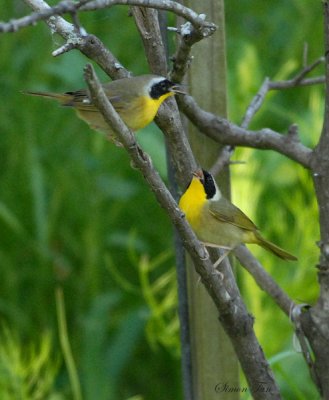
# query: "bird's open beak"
[[178, 88]]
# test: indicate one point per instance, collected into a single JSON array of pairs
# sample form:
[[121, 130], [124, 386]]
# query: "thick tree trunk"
[[315, 321]]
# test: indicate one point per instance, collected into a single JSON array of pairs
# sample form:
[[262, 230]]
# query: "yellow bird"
[[135, 99], [219, 223]]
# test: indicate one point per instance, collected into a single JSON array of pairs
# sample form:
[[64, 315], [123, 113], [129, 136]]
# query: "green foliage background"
[[74, 214]]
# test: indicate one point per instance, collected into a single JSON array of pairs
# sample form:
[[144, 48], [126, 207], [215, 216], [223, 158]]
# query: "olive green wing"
[[80, 99], [122, 98], [225, 211]]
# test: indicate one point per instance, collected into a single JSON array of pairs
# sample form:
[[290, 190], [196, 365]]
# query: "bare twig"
[[267, 85], [198, 28], [89, 45], [207, 28], [182, 58], [42, 13], [255, 104], [227, 133], [306, 70], [292, 83], [148, 26], [263, 279], [315, 320], [168, 118], [67, 6], [295, 316], [222, 161], [68, 46]]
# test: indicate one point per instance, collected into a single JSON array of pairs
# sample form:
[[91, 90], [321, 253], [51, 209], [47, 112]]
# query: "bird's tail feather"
[[65, 99], [273, 248]]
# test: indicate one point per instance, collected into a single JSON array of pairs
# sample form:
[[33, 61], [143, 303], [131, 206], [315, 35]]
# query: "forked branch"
[[43, 12]]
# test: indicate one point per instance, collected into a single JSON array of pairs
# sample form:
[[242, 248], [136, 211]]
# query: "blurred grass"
[[74, 213], [28, 370]]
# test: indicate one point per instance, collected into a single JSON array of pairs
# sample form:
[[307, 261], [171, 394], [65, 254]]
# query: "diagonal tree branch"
[[227, 133], [89, 45], [147, 22], [267, 85], [233, 314], [315, 321], [206, 28], [43, 13], [264, 279], [168, 118], [154, 40], [188, 36]]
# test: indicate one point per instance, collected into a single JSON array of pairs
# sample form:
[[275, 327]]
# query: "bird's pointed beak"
[[178, 88], [198, 174]]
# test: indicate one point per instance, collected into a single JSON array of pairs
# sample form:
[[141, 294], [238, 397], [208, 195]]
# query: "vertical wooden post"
[[214, 363]]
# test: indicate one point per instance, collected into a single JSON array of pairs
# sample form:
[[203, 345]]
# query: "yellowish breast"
[[143, 111], [192, 203]]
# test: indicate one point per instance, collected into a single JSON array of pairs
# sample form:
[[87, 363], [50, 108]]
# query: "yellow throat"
[[192, 202], [144, 111]]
